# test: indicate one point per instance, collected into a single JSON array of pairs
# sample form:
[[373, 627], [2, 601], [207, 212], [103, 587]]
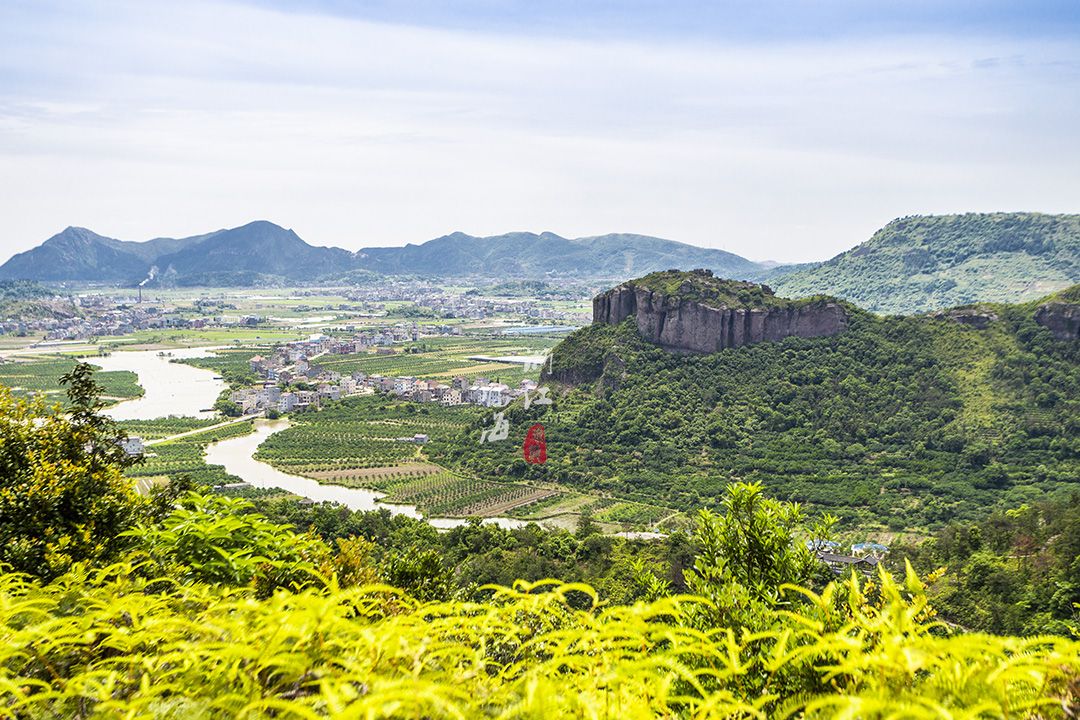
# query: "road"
[[208, 428]]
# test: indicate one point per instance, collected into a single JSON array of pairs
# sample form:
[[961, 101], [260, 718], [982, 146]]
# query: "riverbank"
[[236, 455]]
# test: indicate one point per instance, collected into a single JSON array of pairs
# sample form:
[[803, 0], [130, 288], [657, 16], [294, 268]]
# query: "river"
[[236, 455], [179, 389], [170, 388]]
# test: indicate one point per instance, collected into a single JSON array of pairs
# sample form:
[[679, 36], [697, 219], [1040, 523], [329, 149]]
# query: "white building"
[[493, 395]]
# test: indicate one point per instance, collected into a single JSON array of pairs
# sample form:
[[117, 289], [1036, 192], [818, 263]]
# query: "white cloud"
[[139, 119]]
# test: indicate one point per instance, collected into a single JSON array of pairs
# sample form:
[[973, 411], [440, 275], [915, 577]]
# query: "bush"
[[63, 498]]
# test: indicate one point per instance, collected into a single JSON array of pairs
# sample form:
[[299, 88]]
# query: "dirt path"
[[197, 431]]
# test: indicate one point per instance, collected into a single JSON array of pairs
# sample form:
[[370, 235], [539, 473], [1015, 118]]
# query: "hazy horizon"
[[777, 131]]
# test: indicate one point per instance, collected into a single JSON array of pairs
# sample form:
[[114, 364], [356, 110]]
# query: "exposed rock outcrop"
[[704, 314], [980, 318], [1062, 319]]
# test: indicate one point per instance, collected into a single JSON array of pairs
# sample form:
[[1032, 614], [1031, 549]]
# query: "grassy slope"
[[925, 263]]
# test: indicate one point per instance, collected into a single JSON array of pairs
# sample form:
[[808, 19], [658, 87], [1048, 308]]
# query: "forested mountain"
[[262, 252], [896, 423], [79, 255], [257, 252], [914, 264], [922, 263], [523, 254], [257, 249]]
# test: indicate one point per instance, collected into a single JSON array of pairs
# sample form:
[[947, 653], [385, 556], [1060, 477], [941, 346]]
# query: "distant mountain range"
[[262, 252], [913, 264], [922, 263]]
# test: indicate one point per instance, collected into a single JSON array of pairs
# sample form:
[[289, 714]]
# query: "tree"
[[747, 554], [63, 498]]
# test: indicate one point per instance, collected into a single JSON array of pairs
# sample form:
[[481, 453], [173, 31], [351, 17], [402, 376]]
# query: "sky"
[[785, 131]]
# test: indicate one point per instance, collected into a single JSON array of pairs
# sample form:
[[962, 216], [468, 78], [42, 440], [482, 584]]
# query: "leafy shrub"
[[217, 539], [100, 644], [63, 498]]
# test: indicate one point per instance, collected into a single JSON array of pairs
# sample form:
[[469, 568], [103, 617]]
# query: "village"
[[292, 380], [121, 311]]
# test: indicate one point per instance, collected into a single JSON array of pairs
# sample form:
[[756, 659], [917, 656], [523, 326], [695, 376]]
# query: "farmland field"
[[185, 456], [360, 432], [165, 427], [447, 494], [43, 376], [445, 358]]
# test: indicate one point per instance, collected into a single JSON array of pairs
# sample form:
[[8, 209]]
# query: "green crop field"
[[185, 456], [165, 427], [43, 376], [359, 432]]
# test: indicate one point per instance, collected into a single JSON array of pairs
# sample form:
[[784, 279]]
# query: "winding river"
[[236, 455], [179, 389]]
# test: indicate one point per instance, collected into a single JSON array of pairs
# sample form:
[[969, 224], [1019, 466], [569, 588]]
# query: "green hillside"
[[909, 421], [24, 300], [922, 263]]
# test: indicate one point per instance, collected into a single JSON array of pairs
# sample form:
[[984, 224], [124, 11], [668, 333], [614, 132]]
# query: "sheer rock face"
[[679, 324], [1062, 319]]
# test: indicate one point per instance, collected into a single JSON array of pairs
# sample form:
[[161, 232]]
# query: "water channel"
[[180, 389]]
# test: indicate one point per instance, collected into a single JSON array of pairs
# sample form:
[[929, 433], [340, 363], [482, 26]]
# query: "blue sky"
[[787, 131], [753, 20]]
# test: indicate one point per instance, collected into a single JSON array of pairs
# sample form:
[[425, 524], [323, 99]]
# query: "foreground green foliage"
[[62, 496], [103, 644]]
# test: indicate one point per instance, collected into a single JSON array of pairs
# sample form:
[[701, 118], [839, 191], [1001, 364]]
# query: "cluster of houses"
[[93, 321], [864, 557], [272, 396], [100, 317], [293, 366]]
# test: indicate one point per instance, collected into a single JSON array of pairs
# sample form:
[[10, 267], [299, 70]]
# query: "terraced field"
[[354, 443], [359, 433], [447, 494], [374, 477]]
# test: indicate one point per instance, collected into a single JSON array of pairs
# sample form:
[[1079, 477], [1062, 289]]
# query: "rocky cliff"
[[696, 312], [1062, 319]]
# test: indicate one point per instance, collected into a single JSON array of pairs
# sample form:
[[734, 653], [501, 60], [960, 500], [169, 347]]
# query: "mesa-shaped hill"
[[923, 263], [698, 312], [896, 423]]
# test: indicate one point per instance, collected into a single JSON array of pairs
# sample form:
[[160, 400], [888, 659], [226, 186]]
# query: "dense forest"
[[897, 424], [191, 605]]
